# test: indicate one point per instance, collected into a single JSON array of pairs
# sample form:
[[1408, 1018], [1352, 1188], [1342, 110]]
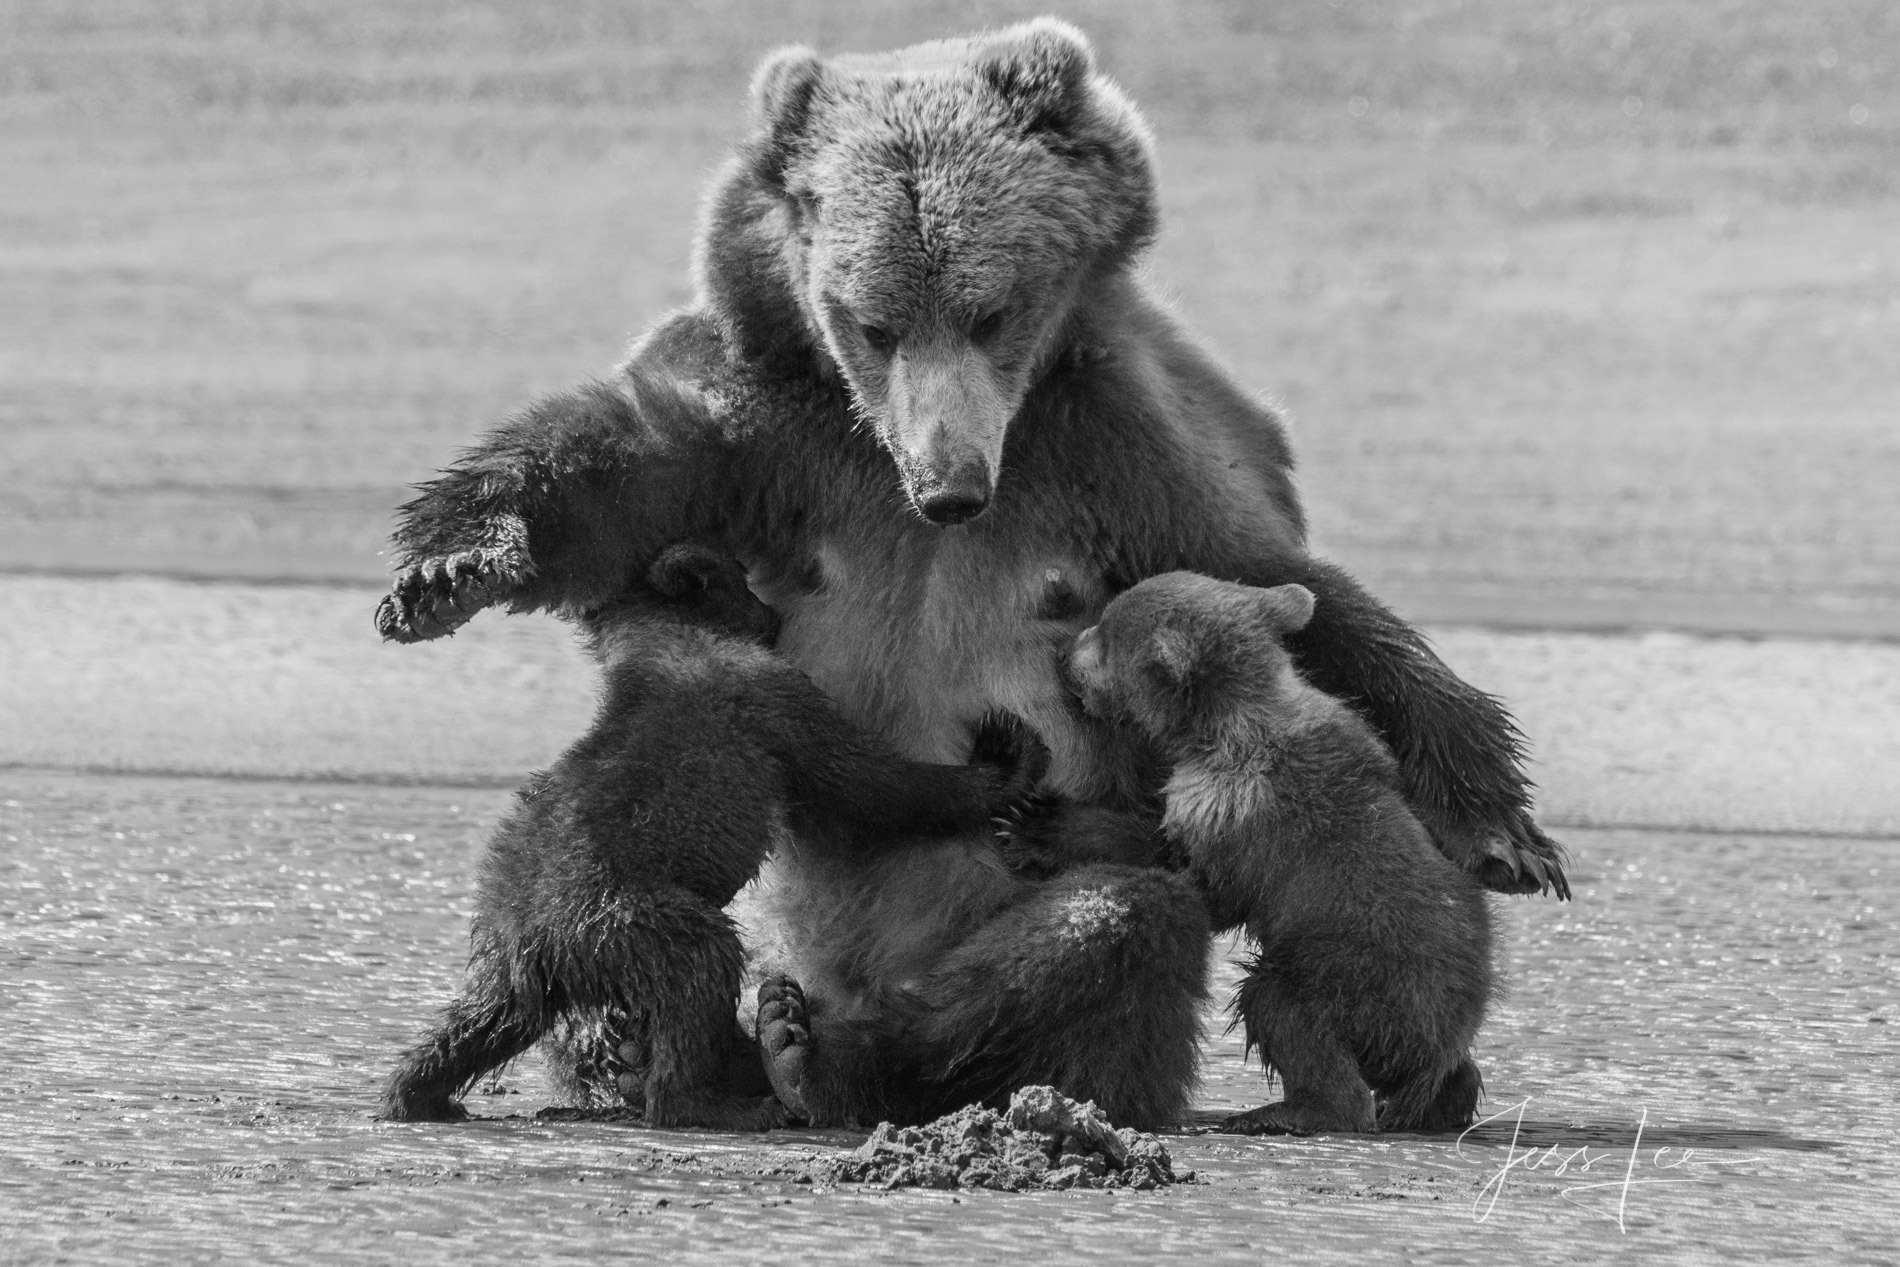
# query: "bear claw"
[[1007, 744], [1517, 859], [436, 596], [1534, 862]]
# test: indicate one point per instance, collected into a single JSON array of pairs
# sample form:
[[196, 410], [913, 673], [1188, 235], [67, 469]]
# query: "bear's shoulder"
[[698, 352]]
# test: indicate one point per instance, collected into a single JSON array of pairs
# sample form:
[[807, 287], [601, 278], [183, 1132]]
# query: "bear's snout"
[[954, 505], [948, 492], [947, 416]]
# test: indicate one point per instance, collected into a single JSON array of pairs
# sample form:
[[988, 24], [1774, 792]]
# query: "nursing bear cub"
[[1373, 963], [603, 893], [925, 397]]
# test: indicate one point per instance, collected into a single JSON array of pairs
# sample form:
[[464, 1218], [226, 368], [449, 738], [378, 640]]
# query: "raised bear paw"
[[785, 1040], [1518, 858], [431, 597], [1004, 742]]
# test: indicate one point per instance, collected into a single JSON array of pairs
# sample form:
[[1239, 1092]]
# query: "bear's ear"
[[1287, 608], [782, 91], [1171, 658], [1042, 68]]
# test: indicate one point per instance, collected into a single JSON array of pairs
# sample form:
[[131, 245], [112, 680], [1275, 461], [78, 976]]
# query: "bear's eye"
[[879, 338], [987, 326]]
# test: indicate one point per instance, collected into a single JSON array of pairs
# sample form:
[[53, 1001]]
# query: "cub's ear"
[[1172, 658], [782, 91], [1287, 608], [1042, 68]]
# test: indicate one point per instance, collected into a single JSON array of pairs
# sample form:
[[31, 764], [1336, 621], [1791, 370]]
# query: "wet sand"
[[205, 981]]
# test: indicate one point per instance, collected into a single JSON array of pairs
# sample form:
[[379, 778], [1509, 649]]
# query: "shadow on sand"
[[1506, 1129]]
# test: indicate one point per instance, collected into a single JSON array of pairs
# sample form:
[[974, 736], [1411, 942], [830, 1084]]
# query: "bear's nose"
[[952, 506]]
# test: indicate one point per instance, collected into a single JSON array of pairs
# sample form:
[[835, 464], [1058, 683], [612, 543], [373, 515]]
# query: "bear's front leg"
[[1459, 752], [561, 507]]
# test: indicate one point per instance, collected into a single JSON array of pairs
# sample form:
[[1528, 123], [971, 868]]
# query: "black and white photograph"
[[849, 631]]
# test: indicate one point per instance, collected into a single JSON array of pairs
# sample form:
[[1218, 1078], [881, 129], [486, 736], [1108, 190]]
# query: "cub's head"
[[706, 588], [1178, 654], [936, 214]]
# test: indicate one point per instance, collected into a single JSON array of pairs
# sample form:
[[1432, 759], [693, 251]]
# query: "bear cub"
[[1373, 967], [601, 896]]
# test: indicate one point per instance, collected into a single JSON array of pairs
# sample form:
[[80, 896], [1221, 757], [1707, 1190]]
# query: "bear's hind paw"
[[784, 1030]]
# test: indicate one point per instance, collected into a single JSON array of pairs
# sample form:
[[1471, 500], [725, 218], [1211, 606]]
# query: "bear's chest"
[[917, 634]]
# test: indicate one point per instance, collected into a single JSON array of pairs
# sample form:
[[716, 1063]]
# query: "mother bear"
[[923, 397]]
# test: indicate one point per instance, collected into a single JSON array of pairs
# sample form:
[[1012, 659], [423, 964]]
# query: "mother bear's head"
[[930, 222]]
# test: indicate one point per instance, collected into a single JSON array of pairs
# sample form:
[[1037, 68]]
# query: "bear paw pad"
[[784, 1031]]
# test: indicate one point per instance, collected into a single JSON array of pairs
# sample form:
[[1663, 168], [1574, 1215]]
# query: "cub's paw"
[[1004, 742], [1452, 1107], [1517, 858], [785, 1041], [1026, 836], [403, 1103], [629, 1081], [436, 596], [1028, 820]]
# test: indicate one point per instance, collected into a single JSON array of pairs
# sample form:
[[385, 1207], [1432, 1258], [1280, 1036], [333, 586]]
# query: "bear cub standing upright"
[[1374, 951], [603, 892]]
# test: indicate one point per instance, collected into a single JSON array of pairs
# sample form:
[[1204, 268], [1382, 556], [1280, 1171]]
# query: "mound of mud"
[[1044, 1140]]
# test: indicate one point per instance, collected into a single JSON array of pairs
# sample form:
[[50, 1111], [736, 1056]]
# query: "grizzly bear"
[[1373, 952], [605, 889], [924, 396]]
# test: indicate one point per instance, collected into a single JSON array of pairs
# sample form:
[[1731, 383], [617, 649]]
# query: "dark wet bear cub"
[[603, 890], [1374, 951]]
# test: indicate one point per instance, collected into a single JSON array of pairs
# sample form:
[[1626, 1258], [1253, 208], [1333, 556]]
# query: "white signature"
[[1556, 1160]]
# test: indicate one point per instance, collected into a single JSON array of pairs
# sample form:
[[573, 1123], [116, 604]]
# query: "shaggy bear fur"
[[925, 397], [604, 890], [1373, 963]]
